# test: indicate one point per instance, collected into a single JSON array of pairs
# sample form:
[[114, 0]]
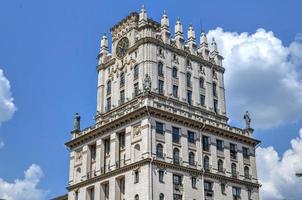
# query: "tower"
[[161, 128]]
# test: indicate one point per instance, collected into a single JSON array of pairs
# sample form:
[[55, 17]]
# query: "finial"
[[191, 33], [178, 27], [104, 42], [76, 122], [164, 20], [143, 14], [214, 45]]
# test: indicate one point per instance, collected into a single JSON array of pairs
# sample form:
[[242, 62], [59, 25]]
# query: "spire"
[[203, 39], [165, 21], [104, 43], [143, 15], [191, 33], [214, 45], [178, 27]]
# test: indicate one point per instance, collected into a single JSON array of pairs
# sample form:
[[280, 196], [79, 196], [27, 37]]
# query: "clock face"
[[122, 47]]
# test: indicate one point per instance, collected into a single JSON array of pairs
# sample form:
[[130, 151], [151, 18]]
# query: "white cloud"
[[277, 173], [7, 106], [1, 144], [262, 76], [25, 189]]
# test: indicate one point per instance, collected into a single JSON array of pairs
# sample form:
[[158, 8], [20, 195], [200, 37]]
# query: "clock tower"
[[161, 129]]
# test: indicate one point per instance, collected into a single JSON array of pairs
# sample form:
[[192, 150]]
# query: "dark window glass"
[[159, 128], [161, 196], [122, 96], [160, 87], [107, 146], [234, 170], [136, 89], [191, 158], [159, 151], [177, 180], [214, 90], [222, 185], [189, 83], [233, 151], [176, 156], [135, 72], [246, 172], [245, 152], [236, 192], [161, 176], [177, 197], [108, 87], [215, 106], [175, 135], [201, 82], [191, 137], [208, 189], [202, 100], [122, 80], [219, 145], [220, 165], [122, 140], [205, 143], [174, 72], [136, 176], [206, 163], [175, 91], [189, 97], [193, 180], [108, 104], [160, 69]]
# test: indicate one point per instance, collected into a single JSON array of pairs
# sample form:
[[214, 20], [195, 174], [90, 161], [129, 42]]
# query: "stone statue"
[[147, 84], [247, 119], [76, 122]]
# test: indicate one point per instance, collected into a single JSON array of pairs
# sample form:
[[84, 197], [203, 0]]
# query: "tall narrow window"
[[109, 87], [160, 69], [176, 156], [214, 90], [206, 163], [205, 143], [90, 193], [161, 176], [246, 172], [220, 165], [174, 72], [189, 97], [136, 89], [245, 153], [191, 137], [161, 87], [233, 151], [249, 194], [107, 146], [175, 91], [236, 193], [189, 83], [136, 197], [175, 135], [159, 128], [222, 187], [219, 145], [159, 150], [201, 83], [193, 181], [122, 140], [215, 106], [208, 189], [122, 97], [108, 104], [136, 176], [202, 100], [161, 196], [122, 79], [135, 75], [234, 170], [191, 158]]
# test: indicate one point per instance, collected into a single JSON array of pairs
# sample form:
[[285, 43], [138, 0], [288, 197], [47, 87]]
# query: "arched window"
[[189, 80], [137, 152], [136, 197], [214, 89], [108, 87], [159, 150], [220, 165], [176, 156], [161, 196], [234, 170], [246, 172], [201, 82], [122, 79], [206, 163], [160, 68], [174, 72], [191, 158]]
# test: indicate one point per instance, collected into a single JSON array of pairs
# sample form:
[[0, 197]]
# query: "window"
[[175, 135], [161, 176], [206, 163], [160, 87], [189, 97], [108, 104], [135, 76], [160, 69], [189, 84], [159, 127], [249, 194], [122, 79], [193, 180], [136, 89], [161, 196], [233, 151], [90, 193], [220, 165], [208, 189], [136, 197], [215, 105], [76, 195], [219, 145], [109, 87], [246, 172], [136, 176], [177, 179], [201, 82], [92, 152], [202, 100], [222, 187], [122, 140], [122, 96], [191, 158], [234, 170], [236, 193], [107, 146], [106, 191], [159, 150], [175, 91], [205, 143], [176, 156], [246, 153], [177, 197], [191, 137], [174, 72], [214, 90]]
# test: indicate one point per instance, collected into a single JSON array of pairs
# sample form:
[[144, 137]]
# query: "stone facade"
[[161, 127]]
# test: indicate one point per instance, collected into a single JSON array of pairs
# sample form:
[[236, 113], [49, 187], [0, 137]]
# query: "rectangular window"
[[160, 69], [219, 145], [177, 180], [108, 108], [90, 193], [208, 189], [159, 128], [191, 137], [136, 89], [161, 176], [92, 149], [215, 106], [222, 185], [214, 90], [202, 100], [236, 192], [107, 146], [122, 140], [106, 191], [205, 143], [136, 176], [246, 153], [189, 97], [175, 135], [135, 72], [160, 87], [249, 194], [122, 96], [193, 180], [233, 151], [175, 91]]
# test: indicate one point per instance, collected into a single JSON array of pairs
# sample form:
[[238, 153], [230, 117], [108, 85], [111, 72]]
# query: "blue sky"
[[48, 53]]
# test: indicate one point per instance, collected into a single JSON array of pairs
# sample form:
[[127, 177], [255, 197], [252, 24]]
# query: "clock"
[[122, 47]]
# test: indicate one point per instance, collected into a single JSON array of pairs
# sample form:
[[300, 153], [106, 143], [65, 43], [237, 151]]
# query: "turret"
[[165, 32], [215, 53], [143, 18], [191, 39], [203, 48], [103, 50], [179, 38]]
